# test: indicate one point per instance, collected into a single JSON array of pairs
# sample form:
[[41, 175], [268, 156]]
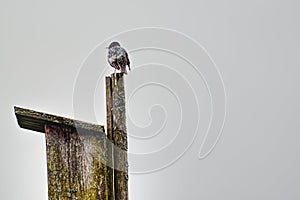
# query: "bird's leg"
[[115, 76]]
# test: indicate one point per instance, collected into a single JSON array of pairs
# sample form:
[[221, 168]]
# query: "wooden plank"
[[119, 137], [35, 121], [109, 132]]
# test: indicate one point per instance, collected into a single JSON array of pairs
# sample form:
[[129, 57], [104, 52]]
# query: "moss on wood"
[[109, 132], [119, 137], [75, 163]]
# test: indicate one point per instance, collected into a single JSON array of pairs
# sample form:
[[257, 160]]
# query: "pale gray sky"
[[52, 56]]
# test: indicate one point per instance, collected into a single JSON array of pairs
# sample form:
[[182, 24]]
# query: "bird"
[[118, 57]]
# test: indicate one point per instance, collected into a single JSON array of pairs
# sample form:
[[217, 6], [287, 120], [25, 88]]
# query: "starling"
[[118, 57]]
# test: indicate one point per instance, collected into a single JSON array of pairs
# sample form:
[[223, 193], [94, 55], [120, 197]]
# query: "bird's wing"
[[123, 57], [120, 52], [112, 60]]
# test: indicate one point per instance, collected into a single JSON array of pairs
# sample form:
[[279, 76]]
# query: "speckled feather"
[[118, 57]]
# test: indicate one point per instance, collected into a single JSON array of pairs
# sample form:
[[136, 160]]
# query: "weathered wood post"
[[109, 133], [84, 163], [116, 128], [76, 155]]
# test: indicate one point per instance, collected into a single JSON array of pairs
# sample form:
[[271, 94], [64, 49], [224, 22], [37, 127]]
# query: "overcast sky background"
[[45, 46]]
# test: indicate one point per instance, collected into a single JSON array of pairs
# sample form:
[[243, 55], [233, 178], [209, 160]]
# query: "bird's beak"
[[106, 47]]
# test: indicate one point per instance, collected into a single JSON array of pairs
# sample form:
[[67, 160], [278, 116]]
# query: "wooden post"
[[83, 162], [109, 133], [117, 122]]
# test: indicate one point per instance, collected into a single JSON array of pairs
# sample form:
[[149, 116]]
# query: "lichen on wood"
[[75, 163], [82, 162], [109, 133], [119, 137]]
